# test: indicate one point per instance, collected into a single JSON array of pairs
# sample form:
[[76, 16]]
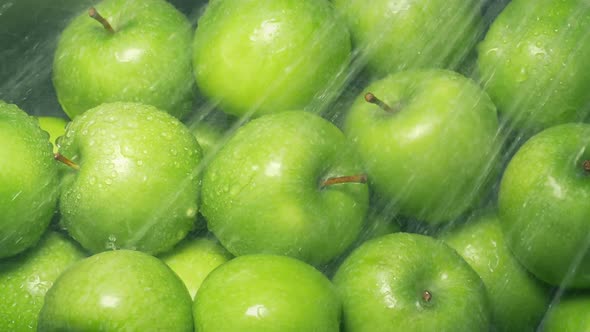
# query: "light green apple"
[[410, 282], [428, 141], [122, 290], [534, 62], [265, 191], [146, 58], [391, 36], [28, 181], [24, 280], [54, 126], [518, 300], [264, 293], [194, 258], [569, 313], [257, 57], [543, 205], [135, 179]]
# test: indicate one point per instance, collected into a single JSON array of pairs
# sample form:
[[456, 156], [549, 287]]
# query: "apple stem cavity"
[[59, 157], [359, 178], [370, 98], [427, 296], [92, 12], [586, 165]]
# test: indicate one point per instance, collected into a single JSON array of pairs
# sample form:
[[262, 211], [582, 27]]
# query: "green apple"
[[24, 280], [263, 293], [134, 181], [54, 126], [194, 258], [518, 300], [266, 56], [267, 191], [28, 181], [569, 313], [410, 282], [543, 205], [534, 62], [142, 56], [399, 35], [122, 290], [428, 140]]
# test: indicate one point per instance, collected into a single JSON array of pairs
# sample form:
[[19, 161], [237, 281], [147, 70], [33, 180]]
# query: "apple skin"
[[54, 126], [24, 280], [392, 36], [194, 258], [382, 282], [435, 157], [543, 205], [518, 300], [138, 183], [570, 313], [248, 54], [261, 193], [146, 60], [534, 62], [122, 290], [263, 293], [28, 180]]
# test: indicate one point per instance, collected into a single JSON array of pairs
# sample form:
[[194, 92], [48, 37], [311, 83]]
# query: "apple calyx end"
[[92, 12], [359, 178], [372, 99], [66, 161], [586, 166], [426, 296]]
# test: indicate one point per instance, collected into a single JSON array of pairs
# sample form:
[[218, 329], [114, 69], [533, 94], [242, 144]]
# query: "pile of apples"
[[304, 165]]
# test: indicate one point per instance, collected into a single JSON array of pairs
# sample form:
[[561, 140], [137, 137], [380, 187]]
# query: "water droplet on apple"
[[108, 181], [140, 163], [522, 75], [111, 242]]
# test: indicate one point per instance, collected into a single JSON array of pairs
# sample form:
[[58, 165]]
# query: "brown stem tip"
[[586, 165], [370, 98], [66, 161], [92, 12], [359, 178], [426, 296]]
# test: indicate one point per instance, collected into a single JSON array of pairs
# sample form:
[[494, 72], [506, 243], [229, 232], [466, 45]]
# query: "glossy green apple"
[[121, 290], [138, 180], [263, 293], [264, 191], [410, 282], [543, 205], [265, 56], [54, 126], [569, 313], [432, 154], [534, 62], [399, 35], [24, 280], [28, 181], [146, 58], [194, 258], [518, 300]]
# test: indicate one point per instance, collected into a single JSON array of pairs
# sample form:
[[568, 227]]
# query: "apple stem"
[[360, 178], [370, 98], [59, 157], [426, 296], [92, 12], [586, 165]]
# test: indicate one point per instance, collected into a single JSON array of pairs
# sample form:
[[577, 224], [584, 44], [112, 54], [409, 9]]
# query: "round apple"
[[28, 181]]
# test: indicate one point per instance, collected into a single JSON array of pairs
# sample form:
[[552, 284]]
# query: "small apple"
[[24, 280], [410, 282], [543, 205], [569, 313], [266, 56], [264, 293], [534, 62], [54, 126], [134, 180], [428, 140], [518, 300], [194, 258], [399, 35], [125, 50], [288, 183], [122, 290], [28, 181]]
